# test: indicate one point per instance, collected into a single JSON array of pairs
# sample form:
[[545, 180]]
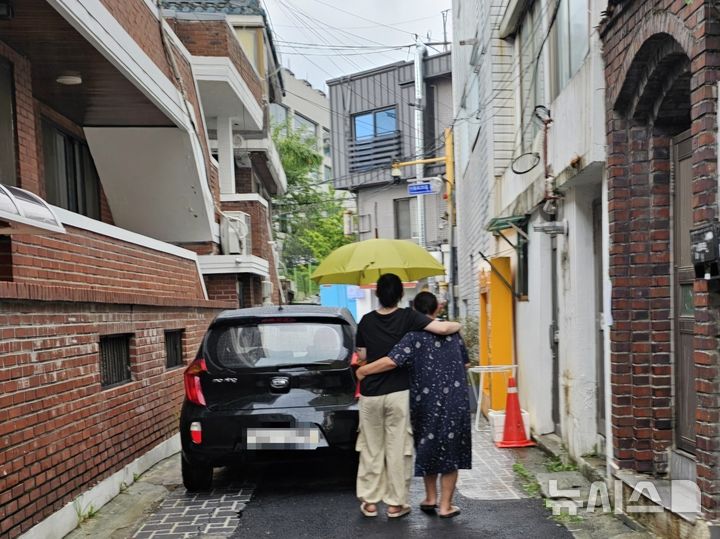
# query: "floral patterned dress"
[[439, 400]]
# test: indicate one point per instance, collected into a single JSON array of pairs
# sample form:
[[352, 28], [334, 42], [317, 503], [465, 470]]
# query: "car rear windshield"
[[262, 344]]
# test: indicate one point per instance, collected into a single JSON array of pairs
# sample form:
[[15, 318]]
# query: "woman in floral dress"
[[439, 406]]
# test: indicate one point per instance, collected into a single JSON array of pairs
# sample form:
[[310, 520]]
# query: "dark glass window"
[[114, 360], [173, 348], [71, 180], [8, 170], [375, 124]]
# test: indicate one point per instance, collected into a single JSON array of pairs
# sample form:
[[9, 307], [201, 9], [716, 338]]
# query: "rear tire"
[[196, 477]]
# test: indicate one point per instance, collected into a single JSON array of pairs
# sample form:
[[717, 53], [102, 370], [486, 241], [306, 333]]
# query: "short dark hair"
[[389, 290], [425, 303]]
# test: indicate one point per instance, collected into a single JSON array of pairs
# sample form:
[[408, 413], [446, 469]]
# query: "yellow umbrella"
[[363, 262]]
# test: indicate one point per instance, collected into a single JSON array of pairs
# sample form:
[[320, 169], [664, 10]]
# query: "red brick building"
[[661, 69], [109, 113]]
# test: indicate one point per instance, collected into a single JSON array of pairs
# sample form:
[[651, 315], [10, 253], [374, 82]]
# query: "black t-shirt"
[[378, 333]]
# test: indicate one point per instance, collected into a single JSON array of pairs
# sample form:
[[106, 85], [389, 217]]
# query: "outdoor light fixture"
[[6, 10], [70, 78]]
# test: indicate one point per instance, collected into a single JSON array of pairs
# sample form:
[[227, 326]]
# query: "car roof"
[[296, 311]]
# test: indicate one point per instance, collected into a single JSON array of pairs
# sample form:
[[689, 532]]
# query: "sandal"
[[404, 510], [365, 511], [454, 511], [428, 507]]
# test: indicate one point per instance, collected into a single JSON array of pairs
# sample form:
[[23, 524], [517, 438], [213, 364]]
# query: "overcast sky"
[[361, 32]]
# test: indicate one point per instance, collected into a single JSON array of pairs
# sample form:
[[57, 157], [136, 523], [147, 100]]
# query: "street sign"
[[419, 189], [427, 186]]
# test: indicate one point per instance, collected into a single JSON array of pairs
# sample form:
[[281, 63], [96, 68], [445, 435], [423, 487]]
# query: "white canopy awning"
[[22, 212]]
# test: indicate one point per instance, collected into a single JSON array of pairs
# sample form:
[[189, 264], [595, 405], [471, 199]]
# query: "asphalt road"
[[316, 499]]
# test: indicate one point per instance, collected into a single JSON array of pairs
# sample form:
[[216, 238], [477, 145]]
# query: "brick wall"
[[60, 431], [636, 35], [222, 287], [28, 175], [260, 236], [216, 38], [84, 260]]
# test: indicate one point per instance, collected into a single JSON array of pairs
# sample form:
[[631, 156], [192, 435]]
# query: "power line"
[[361, 17]]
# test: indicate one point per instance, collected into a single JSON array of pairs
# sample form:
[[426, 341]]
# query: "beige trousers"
[[386, 449]]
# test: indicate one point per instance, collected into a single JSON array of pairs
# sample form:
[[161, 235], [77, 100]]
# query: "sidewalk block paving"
[[183, 515], [492, 476]]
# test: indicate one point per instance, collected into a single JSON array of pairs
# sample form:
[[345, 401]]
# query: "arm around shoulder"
[[439, 327]]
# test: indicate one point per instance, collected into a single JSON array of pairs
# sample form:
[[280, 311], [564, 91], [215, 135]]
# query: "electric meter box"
[[705, 250]]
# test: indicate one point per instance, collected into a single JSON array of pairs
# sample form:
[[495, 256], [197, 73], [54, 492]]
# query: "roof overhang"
[[155, 181], [514, 12], [233, 264], [264, 152], [22, 212], [223, 92], [498, 224]]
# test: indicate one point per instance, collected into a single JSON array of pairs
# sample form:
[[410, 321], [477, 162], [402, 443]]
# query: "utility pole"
[[419, 135], [445, 41], [449, 161]]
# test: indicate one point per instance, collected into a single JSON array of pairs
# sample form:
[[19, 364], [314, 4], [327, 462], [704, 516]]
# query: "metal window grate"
[[114, 360], [173, 348]]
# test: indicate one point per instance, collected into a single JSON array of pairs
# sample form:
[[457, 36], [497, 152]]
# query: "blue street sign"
[[420, 189]]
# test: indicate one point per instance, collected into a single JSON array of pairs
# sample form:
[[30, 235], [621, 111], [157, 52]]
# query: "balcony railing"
[[373, 153]]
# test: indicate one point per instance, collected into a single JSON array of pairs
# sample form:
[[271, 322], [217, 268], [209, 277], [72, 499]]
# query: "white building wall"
[[488, 188], [481, 112]]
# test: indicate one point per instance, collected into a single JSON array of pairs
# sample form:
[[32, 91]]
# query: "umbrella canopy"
[[363, 262]]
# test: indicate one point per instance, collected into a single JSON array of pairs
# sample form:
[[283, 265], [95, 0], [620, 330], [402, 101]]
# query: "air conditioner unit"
[[235, 238], [267, 290]]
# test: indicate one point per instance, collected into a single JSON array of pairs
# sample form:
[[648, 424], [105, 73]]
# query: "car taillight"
[[193, 389], [196, 432]]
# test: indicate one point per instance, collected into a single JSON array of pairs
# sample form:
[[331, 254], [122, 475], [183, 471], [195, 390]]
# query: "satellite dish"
[[525, 162]]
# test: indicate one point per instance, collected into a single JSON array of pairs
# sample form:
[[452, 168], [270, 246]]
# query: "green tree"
[[309, 214]]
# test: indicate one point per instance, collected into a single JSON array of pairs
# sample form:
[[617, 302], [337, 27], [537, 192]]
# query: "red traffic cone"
[[514, 433]]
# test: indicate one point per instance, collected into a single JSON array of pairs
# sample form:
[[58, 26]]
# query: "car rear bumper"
[[224, 434]]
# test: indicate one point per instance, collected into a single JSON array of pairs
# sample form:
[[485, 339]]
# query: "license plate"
[[303, 438]]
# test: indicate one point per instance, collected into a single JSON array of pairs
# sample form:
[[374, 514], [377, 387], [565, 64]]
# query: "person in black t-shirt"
[[385, 438]]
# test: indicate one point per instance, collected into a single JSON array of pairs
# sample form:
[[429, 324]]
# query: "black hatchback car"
[[265, 380]]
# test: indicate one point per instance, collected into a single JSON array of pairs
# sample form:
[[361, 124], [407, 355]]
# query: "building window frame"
[[77, 183], [404, 210], [8, 125], [115, 360], [174, 353], [530, 36], [305, 126], [373, 123], [569, 28]]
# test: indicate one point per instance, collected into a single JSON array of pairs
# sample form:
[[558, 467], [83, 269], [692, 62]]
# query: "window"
[[173, 348], [327, 174], [531, 75], [326, 143], [8, 168], [305, 126], [571, 40], [375, 124], [404, 218], [278, 116], [71, 180], [114, 360]]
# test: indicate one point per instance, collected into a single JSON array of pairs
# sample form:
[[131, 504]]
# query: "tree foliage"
[[309, 214]]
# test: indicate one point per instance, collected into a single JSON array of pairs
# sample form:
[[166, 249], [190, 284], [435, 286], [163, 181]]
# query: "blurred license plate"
[[305, 438]]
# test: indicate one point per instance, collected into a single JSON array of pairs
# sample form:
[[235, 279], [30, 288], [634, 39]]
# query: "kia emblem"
[[280, 382]]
